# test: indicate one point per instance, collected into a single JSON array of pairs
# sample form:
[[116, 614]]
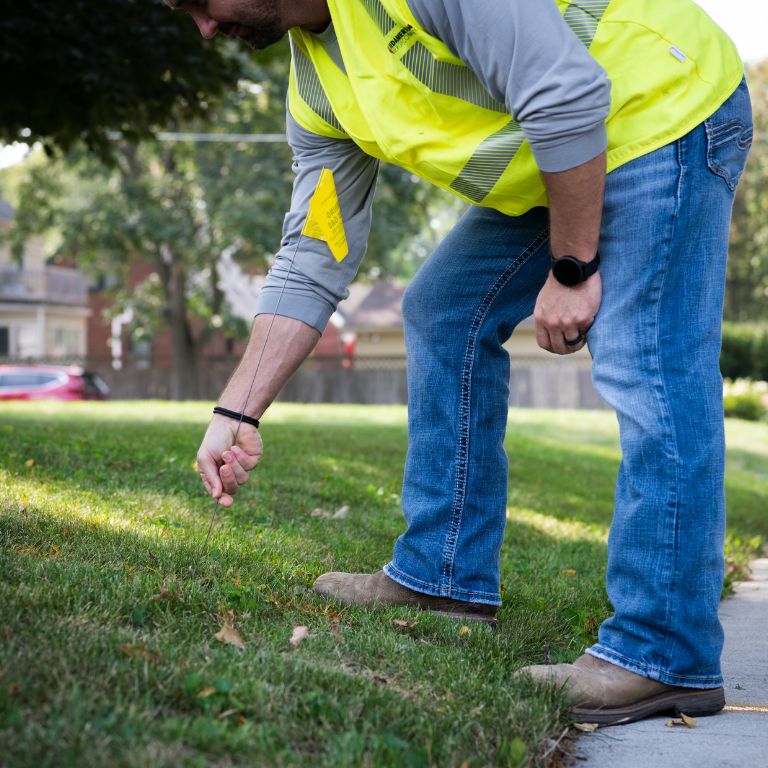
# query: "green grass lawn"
[[109, 606]]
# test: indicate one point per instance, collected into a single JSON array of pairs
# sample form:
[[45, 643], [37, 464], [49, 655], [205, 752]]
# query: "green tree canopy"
[[180, 205], [76, 69], [747, 286]]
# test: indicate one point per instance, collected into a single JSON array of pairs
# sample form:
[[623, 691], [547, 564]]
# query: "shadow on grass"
[[146, 471], [76, 594], [113, 512]]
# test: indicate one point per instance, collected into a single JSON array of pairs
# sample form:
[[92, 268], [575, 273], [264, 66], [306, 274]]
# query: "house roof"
[[373, 306], [370, 306]]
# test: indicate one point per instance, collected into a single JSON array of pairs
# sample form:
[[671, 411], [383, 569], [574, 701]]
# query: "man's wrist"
[[235, 415], [571, 271]]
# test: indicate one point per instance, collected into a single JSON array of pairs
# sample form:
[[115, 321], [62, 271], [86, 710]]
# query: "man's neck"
[[312, 15]]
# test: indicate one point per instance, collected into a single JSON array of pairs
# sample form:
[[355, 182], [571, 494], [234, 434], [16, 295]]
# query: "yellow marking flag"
[[324, 217]]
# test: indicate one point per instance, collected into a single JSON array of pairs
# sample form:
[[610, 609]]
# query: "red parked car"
[[37, 382]]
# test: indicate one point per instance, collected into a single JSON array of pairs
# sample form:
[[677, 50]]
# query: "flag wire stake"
[[255, 373]]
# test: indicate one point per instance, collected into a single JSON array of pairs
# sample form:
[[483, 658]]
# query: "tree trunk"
[[184, 367]]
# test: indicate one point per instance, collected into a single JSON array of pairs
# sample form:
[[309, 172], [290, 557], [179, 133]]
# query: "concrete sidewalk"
[[736, 737]]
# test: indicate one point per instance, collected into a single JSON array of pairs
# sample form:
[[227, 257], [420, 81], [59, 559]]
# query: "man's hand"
[[565, 314], [575, 209], [223, 461]]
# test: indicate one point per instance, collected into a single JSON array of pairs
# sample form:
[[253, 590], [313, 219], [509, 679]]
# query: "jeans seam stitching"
[[462, 450], [662, 399]]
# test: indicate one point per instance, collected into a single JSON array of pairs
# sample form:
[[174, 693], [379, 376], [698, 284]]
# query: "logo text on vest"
[[399, 41]]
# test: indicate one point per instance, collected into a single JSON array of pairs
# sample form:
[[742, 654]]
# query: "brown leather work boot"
[[606, 694], [370, 588]]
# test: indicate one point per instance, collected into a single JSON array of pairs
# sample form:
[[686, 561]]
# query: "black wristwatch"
[[570, 271]]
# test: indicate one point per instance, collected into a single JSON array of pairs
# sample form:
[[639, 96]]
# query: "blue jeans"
[[655, 346]]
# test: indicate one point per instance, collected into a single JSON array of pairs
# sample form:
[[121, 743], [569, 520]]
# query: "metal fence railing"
[[52, 285]]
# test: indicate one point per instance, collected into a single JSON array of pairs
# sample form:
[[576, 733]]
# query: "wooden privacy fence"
[[534, 382]]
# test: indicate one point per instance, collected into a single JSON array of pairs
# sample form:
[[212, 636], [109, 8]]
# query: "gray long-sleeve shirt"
[[525, 55]]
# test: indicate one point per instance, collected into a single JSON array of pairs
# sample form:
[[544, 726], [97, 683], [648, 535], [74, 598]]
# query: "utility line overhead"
[[250, 138], [226, 138]]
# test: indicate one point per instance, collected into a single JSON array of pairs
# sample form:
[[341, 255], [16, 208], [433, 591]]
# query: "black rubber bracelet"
[[219, 411]]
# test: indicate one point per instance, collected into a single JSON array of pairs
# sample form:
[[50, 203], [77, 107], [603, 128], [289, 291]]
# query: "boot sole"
[[694, 703]]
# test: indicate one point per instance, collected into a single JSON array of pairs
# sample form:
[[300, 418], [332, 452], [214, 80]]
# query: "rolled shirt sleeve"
[[528, 58], [306, 282]]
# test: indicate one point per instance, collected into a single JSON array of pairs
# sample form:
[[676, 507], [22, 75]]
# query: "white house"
[[43, 309]]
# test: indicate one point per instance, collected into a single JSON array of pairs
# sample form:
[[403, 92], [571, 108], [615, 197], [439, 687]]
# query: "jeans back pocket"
[[729, 137]]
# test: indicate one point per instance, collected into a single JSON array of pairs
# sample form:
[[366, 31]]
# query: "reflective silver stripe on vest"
[[583, 17], [441, 77], [494, 154], [479, 176], [449, 79], [310, 89], [492, 157], [379, 14]]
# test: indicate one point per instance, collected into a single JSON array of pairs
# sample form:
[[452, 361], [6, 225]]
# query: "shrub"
[[738, 555], [761, 357], [745, 351], [744, 399]]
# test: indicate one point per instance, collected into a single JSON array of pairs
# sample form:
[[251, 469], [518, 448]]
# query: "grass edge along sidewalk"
[[108, 644]]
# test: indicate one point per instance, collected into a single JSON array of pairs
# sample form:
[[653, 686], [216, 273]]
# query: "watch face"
[[567, 271]]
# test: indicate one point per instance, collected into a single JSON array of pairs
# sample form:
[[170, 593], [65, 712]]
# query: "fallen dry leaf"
[[341, 513], [568, 572], [206, 693], [164, 593], [691, 722], [684, 720], [228, 634], [300, 634], [586, 727], [465, 630], [140, 652], [403, 624], [52, 551]]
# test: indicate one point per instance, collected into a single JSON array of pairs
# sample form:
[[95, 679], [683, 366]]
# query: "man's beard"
[[256, 37], [258, 24]]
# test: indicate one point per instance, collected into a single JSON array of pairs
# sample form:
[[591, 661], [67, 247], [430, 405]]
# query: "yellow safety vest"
[[403, 97]]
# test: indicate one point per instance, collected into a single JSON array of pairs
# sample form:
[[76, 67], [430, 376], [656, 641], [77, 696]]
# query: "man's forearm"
[[575, 209], [564, 314], [289, 343]]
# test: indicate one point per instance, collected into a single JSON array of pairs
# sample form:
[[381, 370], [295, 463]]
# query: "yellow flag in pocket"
[[324, 217]]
